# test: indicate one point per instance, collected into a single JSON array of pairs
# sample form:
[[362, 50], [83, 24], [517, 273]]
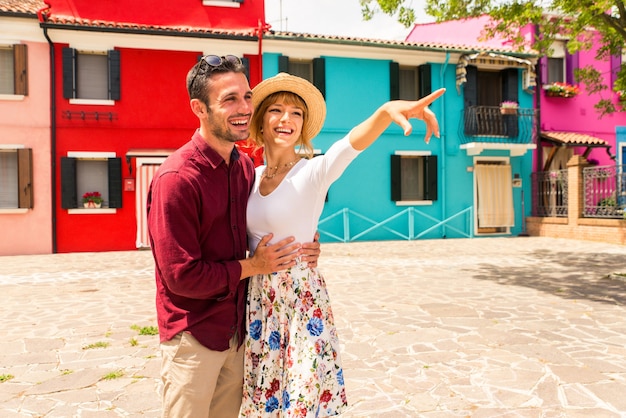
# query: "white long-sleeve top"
[[295, 206]]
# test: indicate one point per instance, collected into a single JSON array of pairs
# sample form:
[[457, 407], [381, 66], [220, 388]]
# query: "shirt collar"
[[210, 154]]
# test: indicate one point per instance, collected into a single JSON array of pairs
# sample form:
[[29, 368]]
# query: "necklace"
[[278, 169]]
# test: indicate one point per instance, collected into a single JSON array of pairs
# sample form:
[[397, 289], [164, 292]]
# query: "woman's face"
[[282, 124]]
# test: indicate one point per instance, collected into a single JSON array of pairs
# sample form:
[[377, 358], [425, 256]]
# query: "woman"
[[292, 362]]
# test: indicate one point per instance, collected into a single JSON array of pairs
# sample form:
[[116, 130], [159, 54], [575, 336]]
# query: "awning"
[[529, 79], [573, 139]]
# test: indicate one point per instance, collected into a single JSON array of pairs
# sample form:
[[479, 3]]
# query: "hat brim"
[[316, 105]]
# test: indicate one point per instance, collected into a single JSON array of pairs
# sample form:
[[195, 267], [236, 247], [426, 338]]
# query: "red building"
[[120, 105]]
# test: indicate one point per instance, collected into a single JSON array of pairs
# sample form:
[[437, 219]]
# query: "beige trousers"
[[198, 382]]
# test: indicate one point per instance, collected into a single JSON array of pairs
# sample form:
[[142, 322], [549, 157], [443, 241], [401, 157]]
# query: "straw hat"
[[316, 112]]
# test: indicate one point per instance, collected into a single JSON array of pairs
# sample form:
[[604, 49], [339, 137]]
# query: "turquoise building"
[[470, 182]]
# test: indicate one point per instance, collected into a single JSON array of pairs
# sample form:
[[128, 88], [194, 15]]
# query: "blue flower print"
[[274, 340], [340, 377], [271, 405], [286, 403], [255, 329], [315, 327]]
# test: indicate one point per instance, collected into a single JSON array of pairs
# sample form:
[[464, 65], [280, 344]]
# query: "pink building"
[[25, 163]]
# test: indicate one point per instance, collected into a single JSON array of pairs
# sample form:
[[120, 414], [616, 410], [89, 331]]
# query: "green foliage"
[[99, 344], [5, 377], [553, 19], [113, 375], [149, 330]]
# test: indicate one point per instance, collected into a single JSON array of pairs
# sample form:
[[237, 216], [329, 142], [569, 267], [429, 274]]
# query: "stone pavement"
[[489, 327]]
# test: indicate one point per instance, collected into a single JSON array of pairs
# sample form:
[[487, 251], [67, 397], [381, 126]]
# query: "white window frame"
[[222, 3], [413, 202], [81, 155]]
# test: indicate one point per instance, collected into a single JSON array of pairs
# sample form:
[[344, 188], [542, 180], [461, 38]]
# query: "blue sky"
[[334, 17]]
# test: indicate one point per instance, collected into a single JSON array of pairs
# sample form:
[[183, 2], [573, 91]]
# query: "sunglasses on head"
[[215, 61]]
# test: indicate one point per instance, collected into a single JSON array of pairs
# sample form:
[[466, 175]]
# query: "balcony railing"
[[605, 191], [489, 124]]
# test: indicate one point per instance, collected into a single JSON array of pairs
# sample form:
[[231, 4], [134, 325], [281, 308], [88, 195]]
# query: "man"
[[196, 219]]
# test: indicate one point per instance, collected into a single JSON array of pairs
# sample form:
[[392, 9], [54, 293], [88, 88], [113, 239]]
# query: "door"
[[493, 197], [146, 168]]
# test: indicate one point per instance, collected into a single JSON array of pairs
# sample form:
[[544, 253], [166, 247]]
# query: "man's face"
[[230, 107]]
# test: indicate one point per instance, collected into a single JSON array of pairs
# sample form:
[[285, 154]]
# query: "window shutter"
[[470, 93], [20, 59], [425, 80], [25, 177], [571, 65], [430, 177], [319, 75], [396, 180], [69, 199], [115, 182], [394, 81], [246, 63], [510, 90], [283, 64], [69, 64], [114, 74]]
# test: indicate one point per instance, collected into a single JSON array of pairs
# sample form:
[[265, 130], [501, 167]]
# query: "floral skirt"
[[292, 362]]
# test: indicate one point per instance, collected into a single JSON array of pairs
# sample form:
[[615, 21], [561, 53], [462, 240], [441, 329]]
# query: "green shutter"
[[424, 73], [115, 182], [114, 75], [69, 65], [246, 63], [394, 81], [430, 177], [396, 179], [69, 198], [283, 64], [319, 75]]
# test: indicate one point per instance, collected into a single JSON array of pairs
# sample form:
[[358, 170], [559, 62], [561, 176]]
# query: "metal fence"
[[550, 193], [604, 191]]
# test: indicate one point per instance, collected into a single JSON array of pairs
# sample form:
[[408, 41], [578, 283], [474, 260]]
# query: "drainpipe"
[[53, 130], [538, 82], [442, 143]]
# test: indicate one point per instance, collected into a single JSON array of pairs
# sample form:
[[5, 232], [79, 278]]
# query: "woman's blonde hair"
[[288, 98]]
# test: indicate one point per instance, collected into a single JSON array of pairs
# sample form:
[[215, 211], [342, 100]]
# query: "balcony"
[[486, 127]]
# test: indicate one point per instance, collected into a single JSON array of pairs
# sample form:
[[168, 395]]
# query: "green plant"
[[94, 197], [148, 330], [5, 377], [99, 344], [113, 375]]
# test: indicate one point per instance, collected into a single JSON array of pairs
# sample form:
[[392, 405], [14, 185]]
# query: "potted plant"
[[559, 89], [508, 107], [92, 200]]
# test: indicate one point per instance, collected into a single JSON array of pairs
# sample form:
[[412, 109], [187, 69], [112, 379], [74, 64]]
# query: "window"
[[91, 172], [560, 67], [413, 177], [91, 75], [13, 70], [409, 83], [556, 70], [311, 70], [16, 173]]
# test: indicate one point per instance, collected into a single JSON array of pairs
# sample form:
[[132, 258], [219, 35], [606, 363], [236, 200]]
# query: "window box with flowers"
[[92, 200], [561, 90], [508, 107]]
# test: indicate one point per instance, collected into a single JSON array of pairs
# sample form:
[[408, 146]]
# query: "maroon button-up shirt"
[[197, 227]]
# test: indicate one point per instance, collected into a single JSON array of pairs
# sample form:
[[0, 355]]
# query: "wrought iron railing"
[[549, 193], [490, 124], [604, 191]]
